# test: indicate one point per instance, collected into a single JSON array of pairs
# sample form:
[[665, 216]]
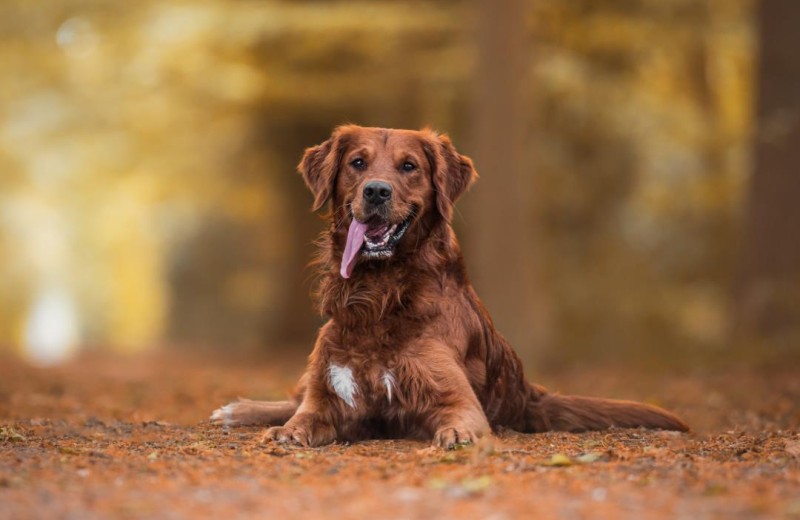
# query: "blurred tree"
[[298, 319], [768, 299], [503, 262], [154, 144]]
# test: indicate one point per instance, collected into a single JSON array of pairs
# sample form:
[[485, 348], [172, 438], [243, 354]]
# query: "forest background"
[[638, 185]]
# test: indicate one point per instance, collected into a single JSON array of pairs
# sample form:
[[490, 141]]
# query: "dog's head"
[[388, 188]]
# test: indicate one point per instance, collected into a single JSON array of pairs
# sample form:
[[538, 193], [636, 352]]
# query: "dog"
[[409, 351]]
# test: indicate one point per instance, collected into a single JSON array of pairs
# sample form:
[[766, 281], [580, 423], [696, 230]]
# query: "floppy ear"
[[319, 167], [452, 173]]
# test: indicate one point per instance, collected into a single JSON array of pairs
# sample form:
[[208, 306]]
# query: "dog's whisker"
[[338, 224], [450, 201]]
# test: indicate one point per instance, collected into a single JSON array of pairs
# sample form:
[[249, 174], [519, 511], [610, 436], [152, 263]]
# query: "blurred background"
[[639, 184]]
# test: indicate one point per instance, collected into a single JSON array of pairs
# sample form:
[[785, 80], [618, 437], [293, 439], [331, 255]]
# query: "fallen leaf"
[[477, 485], [559, 459], [448, 457], [437, 483], [9, 434], [588, 458], [793, 509]]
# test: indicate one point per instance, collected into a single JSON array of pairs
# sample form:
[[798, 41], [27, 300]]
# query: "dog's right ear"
[[319, 167]]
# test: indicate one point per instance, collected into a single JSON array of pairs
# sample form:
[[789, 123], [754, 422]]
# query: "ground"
[[108, 437]]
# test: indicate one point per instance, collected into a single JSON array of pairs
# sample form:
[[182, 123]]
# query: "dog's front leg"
[[306, 429], [314, 423], [459, 421], [452, 411]]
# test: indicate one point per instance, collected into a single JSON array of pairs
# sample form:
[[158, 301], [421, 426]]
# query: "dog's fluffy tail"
[[246, 412], [573, 413]]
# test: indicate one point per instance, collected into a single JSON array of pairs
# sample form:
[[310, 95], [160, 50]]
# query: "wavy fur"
[[414, 316]]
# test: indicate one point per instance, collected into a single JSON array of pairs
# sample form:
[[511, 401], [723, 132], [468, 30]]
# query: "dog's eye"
[[358, 163], [409, 166]]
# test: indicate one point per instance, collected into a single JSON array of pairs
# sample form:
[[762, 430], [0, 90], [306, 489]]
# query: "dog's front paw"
[[449, 438], [287, 435]]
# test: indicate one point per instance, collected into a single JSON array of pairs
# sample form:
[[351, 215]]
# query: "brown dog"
[[409, 350]]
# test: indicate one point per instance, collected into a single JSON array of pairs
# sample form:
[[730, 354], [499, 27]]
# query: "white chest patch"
[[388, 382], [341, 379]]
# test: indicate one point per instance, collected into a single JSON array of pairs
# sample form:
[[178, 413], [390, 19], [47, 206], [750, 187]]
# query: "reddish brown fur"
[[414, 314]]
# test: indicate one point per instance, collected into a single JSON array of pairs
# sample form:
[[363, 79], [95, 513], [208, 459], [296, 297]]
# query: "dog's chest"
[[362, 385]]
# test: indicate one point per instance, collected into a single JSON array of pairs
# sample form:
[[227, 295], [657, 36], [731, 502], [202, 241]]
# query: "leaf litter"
[[98, 448]]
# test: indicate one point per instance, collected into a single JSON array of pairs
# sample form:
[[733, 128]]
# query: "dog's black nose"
[[377, 192]]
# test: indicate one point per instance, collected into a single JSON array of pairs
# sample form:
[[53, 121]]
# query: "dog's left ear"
[[452, 172], [319, 167]]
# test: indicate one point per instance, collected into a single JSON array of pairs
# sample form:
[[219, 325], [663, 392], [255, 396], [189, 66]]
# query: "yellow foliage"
[[134, 131]]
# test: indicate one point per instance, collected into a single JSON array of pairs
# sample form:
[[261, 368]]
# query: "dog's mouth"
[[375, 238], [381, 237]]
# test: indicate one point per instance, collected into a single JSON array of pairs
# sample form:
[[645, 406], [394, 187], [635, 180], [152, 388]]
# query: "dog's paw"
[[287, 435], [449, 438]]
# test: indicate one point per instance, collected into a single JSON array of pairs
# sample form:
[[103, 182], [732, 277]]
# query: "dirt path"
[[106, 438]]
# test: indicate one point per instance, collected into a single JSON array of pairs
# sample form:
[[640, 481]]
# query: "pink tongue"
[[355, 238]]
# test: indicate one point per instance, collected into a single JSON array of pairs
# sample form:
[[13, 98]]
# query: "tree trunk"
[[768, 292], [500, 226], [299, 321]]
